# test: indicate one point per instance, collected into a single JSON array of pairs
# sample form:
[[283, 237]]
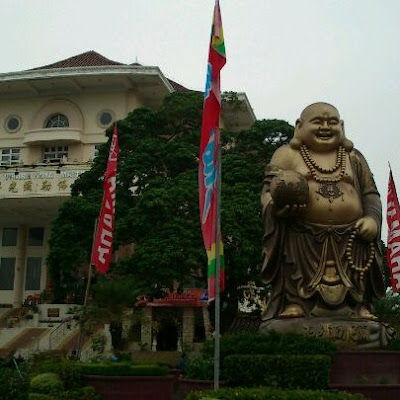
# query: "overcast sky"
[[285, 54]]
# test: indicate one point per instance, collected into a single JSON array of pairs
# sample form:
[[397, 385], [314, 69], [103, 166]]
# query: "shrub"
[[47, 383], [283, 371], [394, 345], [270, 343], [199, 367], [12, 386], [122, 369], [66, 369], [266, 393]]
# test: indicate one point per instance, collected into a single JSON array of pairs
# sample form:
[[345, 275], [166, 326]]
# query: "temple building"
[[52, 119]]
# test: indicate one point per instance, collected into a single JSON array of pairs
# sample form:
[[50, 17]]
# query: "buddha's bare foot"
[[292, 311], [366, 314]]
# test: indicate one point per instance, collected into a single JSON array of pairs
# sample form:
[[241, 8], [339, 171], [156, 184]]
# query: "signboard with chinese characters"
[[37, 182]]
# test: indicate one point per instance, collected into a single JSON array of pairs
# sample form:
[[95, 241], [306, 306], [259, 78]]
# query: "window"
[[13, 123], [33, 273], [35, 236], [10, 156], [55, 154], [57, 121], [105, 117], [96, 150], [9, 237], [7, 273]]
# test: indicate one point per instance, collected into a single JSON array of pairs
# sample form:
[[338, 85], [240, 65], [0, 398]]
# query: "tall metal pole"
[[85, 299], [217, 275]]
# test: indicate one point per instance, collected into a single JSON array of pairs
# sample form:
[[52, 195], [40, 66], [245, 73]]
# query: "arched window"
[[57, 121]]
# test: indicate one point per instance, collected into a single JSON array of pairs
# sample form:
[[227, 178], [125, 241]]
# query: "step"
[[26, 339]]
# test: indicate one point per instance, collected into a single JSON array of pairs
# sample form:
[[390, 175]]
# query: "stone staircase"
[[9, 313], [24, 340], [21, 340], [375, 374]]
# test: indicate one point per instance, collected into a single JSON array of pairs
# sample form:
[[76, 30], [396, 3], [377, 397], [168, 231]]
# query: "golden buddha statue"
[[322, 255]]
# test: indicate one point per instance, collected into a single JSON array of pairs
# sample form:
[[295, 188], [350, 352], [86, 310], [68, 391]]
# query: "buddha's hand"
[[289, 210], [367, 228]]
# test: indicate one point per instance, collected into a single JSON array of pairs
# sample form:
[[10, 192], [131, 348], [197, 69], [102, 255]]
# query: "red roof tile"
[[88, 59], [177, 87], [94, 59]]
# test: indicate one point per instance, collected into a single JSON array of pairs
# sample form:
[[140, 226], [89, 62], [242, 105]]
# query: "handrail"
[[58, 333], [55, 334]]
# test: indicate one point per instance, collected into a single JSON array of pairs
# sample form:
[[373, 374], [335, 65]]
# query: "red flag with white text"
[[103, 240], [393, 243]]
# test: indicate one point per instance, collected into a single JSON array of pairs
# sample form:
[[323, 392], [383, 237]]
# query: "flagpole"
[[89, 278], [210, 178], [217, 319]]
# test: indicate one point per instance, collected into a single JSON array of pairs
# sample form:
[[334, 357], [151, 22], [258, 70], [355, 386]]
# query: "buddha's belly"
[[344, 209]]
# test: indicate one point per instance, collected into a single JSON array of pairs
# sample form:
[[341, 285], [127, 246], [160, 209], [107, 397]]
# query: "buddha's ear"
[[347, 144], [296, 143]]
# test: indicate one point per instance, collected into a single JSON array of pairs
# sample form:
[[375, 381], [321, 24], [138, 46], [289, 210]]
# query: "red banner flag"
[[102, 243], [393, 245], [209, 149]]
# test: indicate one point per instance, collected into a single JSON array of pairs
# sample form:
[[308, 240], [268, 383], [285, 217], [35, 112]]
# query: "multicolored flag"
[[209, 152], [103, 239], [393, 243]]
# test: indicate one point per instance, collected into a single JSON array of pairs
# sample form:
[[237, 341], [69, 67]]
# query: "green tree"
[[157, 200]]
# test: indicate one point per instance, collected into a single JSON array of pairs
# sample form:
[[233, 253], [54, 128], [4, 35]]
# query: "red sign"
[[393, 245], [188, 298], [102, 244]]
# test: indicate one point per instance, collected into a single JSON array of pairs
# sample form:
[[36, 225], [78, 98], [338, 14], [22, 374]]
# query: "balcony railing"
[[47, 135]]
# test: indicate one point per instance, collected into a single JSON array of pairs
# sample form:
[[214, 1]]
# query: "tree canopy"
[[157, 200]]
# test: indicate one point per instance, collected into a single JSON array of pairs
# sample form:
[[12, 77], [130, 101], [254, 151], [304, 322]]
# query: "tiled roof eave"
[[81, 71]]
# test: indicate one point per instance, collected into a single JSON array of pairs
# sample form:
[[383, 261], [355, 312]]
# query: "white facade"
[[51, 120]]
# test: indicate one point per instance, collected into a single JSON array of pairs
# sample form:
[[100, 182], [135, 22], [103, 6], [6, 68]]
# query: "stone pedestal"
[[347, 333]]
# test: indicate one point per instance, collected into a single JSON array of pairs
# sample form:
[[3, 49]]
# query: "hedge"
[[266, 393], [270, 343], [40, 396], [284, 371], [199, 367], [121, 369]]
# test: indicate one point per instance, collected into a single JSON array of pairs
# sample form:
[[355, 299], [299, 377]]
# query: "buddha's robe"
[[305, 263]]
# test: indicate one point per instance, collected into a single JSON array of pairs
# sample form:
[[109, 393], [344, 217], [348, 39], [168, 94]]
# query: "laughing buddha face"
[[320, 128]]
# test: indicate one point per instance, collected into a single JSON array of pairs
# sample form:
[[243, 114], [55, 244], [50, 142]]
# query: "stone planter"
[[375, 374], [131, 387]]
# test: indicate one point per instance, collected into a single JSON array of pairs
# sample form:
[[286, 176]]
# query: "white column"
[[20, 265], [147, 327]]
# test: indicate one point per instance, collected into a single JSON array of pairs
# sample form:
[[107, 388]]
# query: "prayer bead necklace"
[[315, 168], [328, 184], [349, 249]]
